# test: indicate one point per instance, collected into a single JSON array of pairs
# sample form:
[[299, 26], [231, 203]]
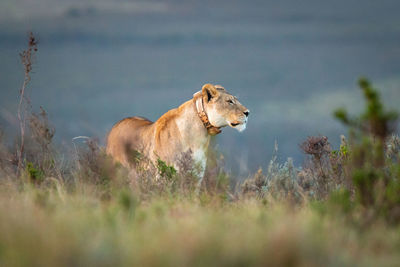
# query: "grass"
[[53, 227], [342, 208]]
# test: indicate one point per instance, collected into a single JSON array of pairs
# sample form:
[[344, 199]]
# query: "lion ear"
[[220, 87], [209, 91]]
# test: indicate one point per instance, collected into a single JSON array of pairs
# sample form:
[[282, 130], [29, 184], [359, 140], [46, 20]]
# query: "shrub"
[[373, 158], [36, 175], [323, 172], [94, 168], [280, 183]]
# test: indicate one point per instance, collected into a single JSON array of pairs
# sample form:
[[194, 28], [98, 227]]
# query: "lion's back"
[[159, 139]]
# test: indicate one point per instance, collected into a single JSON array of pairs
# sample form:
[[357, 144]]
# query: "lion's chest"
[[199, 157]]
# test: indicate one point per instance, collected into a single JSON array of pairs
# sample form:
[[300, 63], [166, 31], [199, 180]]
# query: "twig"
[[26, 60]]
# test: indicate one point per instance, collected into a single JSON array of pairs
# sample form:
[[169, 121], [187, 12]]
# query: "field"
[[79, 208], [53, 227]]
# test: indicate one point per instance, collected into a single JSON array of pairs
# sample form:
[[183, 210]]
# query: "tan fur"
[[177, 131]]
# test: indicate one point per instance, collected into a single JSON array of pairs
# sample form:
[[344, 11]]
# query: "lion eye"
[[230, 101]]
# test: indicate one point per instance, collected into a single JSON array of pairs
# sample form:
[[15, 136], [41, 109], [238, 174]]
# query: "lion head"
[[222, 108]]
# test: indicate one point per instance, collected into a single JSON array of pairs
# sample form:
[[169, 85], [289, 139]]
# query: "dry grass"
[[54, 227]]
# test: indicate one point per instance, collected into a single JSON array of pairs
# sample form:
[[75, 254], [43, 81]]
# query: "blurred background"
[[290, 62]]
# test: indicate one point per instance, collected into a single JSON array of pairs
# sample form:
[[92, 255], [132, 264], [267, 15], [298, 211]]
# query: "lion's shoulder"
[[170, 116], [166, 124], [166, 119]]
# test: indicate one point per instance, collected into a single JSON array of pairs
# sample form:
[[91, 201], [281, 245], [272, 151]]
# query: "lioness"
[[183, 129]]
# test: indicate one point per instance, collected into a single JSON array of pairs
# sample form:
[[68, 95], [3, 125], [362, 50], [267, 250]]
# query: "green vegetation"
[[373, 173], [342, 208], [165, 170]]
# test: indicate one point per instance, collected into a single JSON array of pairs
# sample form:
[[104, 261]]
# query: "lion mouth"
[[238, 125], [234, 124]]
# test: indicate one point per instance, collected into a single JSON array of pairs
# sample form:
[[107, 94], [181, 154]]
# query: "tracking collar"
[[198, 99]]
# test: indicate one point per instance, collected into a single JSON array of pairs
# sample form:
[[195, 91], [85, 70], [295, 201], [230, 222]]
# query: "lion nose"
[[246, 113]]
